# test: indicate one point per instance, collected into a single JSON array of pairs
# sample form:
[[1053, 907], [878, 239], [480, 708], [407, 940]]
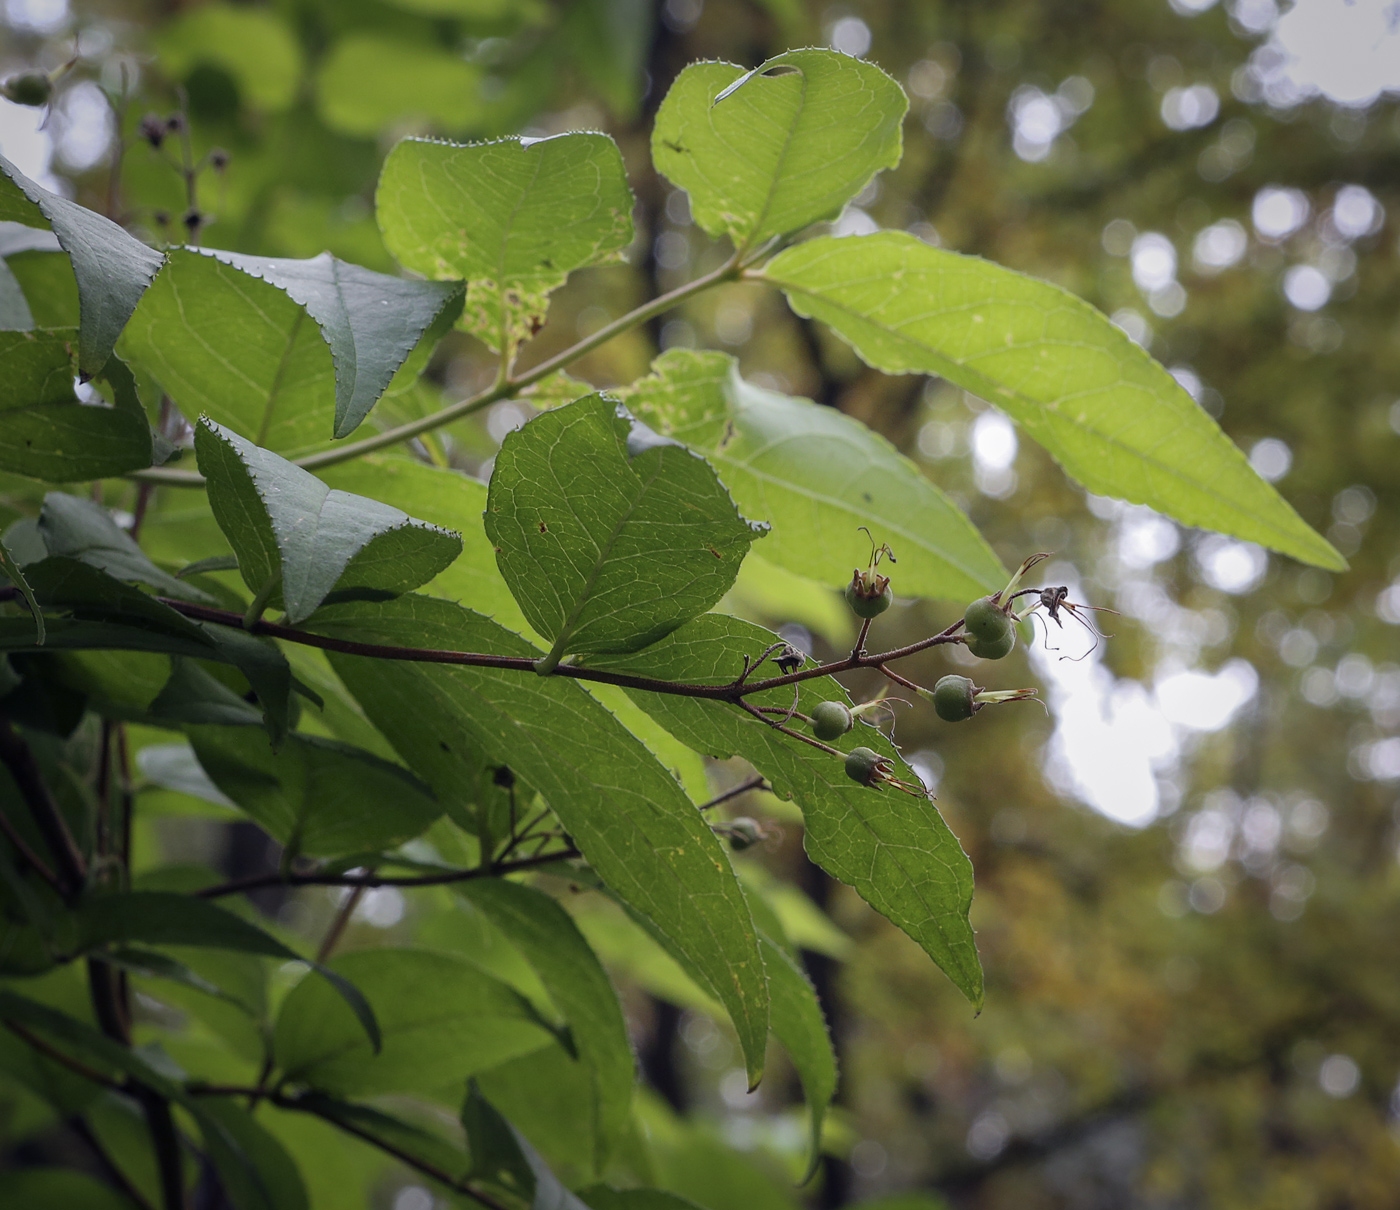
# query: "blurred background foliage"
[[1188, 895]]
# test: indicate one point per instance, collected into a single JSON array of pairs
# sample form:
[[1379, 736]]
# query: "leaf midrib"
[[996, 389]]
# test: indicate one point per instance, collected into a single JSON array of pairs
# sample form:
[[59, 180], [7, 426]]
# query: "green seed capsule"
[[744, 833], [993, 649], [33, 88], [952, 699], [831, 720], [863, 766], [868, 605], [985, 620]]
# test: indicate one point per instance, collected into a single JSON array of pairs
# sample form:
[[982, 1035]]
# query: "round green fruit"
[[993, 649], [870, 605], [952, 699], [744, 833], [33, 88], [986, 620], [831, 720], [863, 765]]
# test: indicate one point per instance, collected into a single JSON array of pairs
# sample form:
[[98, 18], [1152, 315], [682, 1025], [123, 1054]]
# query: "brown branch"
[[292, 879], [70, 868], [48, 1050], [753, 783], [732, 692]]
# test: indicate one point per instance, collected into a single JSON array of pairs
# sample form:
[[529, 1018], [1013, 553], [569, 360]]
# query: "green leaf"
[[767, 152], [297, 539], [368, 83], [416, 1139], [1111, 416], [441, 1019], [798, 1024], [253, 45], [109, 614], [165, 918], [503, 1156], [44, 1188], [256, 1171], [192, 695], [626, 814], [608, 535], [36, 368], [547, 936], [316, 796], [81, 529], [604, 1197], [112, 267], [259, 1174], [818, 476], [15, 575], [444, 497], [513, 218], [892, 847], [45, 432], [15, 315], [371, 321], [610, 41], [226, 335]]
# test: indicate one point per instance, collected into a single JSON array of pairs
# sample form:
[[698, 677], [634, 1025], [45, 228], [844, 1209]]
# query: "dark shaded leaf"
[[112, 267], [546, 934], [440, 1017], [625, 812], [316, 796], [297, 539], [503, 1156]]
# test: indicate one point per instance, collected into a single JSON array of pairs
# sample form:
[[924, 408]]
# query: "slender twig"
[[456, 1184], [52, 1052], [341, 921], [900, 680], [292, 878], [729, 692], [503, 389], [21, 846], [859, 649], [68, 861], [753, 783], [806, 739]]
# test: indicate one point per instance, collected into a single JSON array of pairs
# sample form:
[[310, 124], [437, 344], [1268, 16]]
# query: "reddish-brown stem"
[[733, 691], [52, 1052], [901, 680], [859, 649], [806, 739]]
